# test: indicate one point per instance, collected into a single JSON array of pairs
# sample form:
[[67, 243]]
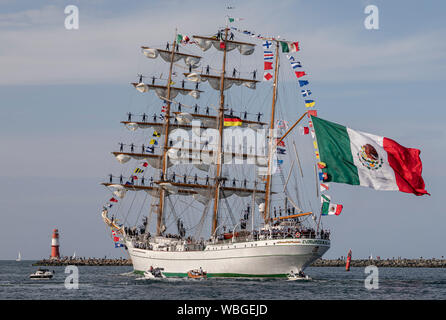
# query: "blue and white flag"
[[303, 82], [268, 55], [267, 44], [296, 64], [305, 93]]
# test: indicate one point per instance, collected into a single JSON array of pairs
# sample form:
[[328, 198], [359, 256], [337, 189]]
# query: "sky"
[[63, 93]]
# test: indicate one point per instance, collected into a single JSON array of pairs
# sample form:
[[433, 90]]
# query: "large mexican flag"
[[364, 159]]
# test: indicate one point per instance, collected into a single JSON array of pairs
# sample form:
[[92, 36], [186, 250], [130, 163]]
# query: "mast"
[[220, 142], [166, 141], [266, 215]]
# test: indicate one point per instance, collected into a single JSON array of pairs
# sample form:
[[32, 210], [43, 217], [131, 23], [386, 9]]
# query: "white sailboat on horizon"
[[19, 257]]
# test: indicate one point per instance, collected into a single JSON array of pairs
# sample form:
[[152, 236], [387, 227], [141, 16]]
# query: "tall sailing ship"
[[215, 193]]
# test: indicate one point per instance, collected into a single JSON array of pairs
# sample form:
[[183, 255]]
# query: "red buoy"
[[349, 258], [55, 245]]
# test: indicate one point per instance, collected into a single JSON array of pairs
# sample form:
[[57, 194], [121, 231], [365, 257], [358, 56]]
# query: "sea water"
[[105, 282]]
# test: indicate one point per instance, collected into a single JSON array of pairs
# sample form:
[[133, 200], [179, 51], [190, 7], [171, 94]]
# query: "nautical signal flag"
[[230, 121], [303, 83], [145, 164], [118, 245], [222, 45], [153, 142], [138, 170], [309, 103], [156, 134], [281, 151], [323, 176], [266, 44], [312, 113], [113, 200], [268, 65], [296, 64], [305, 93], [325, 198], [304, 130], [267, 76], [324, 187], [300, 74], [116, 239], [321, 165], [281, 143], [150, 149], [268, 55]]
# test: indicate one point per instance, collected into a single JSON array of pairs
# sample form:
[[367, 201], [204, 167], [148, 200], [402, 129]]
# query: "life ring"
[[297, 234]]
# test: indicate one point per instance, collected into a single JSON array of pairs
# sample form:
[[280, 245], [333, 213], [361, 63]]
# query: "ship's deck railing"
[[200, 245]]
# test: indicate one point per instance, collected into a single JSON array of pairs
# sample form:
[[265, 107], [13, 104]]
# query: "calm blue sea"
[[120, 283]]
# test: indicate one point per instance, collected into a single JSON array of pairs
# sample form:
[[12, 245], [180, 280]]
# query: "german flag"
[[231, 121]]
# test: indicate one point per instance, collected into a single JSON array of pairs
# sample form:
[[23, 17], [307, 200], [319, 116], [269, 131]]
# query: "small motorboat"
[[197, 274], [154, 273], [42, 274], [297, 276]]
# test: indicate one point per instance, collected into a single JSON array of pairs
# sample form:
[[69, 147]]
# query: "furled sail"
[[205, 43], [214, 81], [189, 60], [161, 91], [152, 159]]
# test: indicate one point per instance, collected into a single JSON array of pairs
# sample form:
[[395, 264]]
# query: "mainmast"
[[220, 142], [266, 215], [166, 141]]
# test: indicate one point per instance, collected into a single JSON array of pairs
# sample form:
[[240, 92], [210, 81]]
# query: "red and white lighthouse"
[[55, 245]]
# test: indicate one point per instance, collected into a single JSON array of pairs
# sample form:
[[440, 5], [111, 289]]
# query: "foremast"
[[166, 141], [220, 142]]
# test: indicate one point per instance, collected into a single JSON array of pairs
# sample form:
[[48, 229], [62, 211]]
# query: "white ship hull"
[[266, 258]]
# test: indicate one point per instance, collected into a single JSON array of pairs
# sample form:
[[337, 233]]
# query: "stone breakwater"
[[395, 263], [83, 262]]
